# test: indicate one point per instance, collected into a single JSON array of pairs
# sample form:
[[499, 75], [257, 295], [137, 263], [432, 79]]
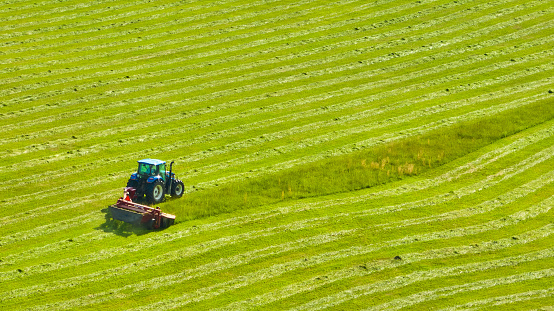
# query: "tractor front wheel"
[[177, 189], [155, 192]]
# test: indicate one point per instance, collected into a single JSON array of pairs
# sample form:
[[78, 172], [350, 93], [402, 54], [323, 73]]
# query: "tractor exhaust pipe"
[[168, 190]]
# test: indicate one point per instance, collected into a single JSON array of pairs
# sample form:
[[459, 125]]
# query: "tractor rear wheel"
[[155, 192], [177, 189]]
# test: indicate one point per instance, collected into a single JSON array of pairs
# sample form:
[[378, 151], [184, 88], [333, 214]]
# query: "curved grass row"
[[238, 91], [539, 183], [71, 89]]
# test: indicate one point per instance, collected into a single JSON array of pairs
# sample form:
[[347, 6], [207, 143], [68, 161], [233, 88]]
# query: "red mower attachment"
[[130, 212]]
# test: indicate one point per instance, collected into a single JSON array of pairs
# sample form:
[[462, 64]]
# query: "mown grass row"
[[153, 282], [522, 238], [218, 242], [37, 212], [457, 289], [176, 278], [258, 109], [472, 166], [460, 192], [520, 144], [71, 89]]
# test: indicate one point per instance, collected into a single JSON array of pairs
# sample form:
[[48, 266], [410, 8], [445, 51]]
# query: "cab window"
[[162, 170], [144, 169]]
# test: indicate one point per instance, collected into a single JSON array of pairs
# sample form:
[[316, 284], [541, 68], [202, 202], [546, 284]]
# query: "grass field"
[[301, 104]]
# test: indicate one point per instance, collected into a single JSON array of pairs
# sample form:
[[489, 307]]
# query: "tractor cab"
[[149, 167]]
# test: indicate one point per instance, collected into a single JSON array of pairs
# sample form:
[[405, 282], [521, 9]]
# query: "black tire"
[[149, 225], [155, 192], [166, 222], [177, 189]]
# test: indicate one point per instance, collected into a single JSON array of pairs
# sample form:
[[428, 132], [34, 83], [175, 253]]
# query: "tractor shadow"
[[121, 228]]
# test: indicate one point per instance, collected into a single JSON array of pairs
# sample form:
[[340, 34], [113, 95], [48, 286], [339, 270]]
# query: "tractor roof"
[[151, 161]]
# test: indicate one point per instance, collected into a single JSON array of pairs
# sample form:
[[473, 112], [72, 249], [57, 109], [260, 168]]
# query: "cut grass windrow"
[[378, 124], [371, 267], [481, 208], [212, 136], [50, 209], [529, 213], [199, 272], [440, 199], [227, 263], [478, 164], [63, 11], [504, 300], [62, 245], [449, 101], [177, 27], [465, 37], [418, 276], [159, 260], [175, 62], [189, 47], [444, 292], [473, 165], [239, 27], [64, 172], [80, 21], [461, 192], [79, 185], [444, 67], [50, 228], [206, 110]]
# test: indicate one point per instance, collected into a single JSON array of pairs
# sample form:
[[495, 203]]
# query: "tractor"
[[153, 180]]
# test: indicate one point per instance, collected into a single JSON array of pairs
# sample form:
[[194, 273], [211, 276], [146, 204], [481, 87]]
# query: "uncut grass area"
[[351, 155]]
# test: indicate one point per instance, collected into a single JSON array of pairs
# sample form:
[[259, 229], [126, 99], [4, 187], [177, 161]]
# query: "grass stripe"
[[193, 273], [418, 276], [531, 212], [494, 27], [454, 174], [64, 172], [227, 118], [503, 300], [333, 276], [48, 229], [101, 180], [58, 246], [198, 272], [65, 156], [444, 292]]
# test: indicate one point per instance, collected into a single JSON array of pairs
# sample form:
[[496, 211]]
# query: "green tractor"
[[153, 180]]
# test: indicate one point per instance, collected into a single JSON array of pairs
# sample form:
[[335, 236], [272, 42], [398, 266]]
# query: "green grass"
[[254, 97]]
